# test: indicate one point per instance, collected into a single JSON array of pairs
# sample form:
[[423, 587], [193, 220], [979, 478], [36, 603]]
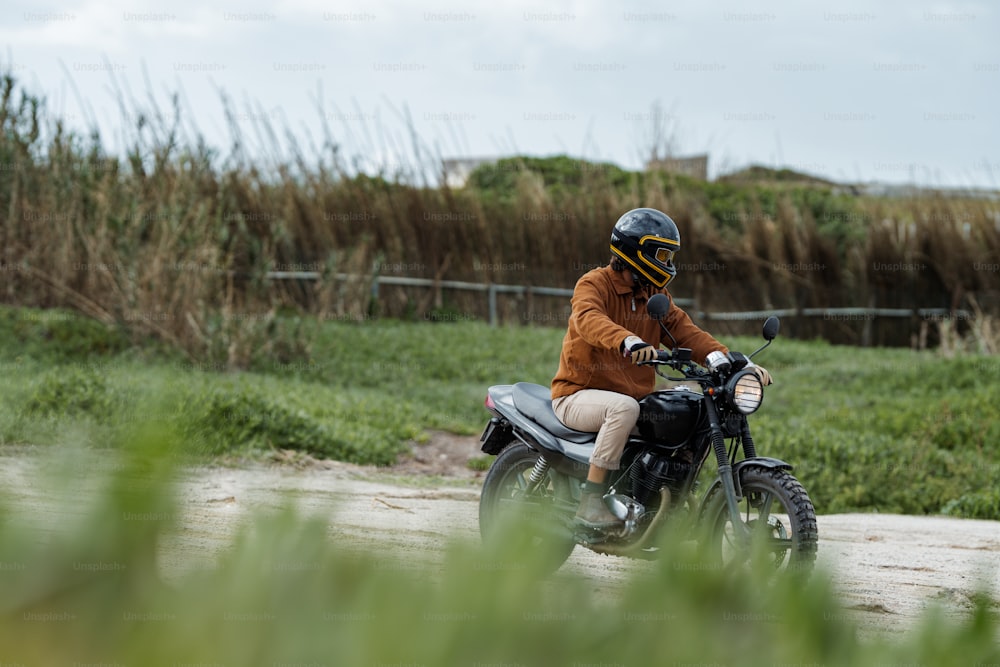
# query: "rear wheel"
[[519, 522], [777, 530]]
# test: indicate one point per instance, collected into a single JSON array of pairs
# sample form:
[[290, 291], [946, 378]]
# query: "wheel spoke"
[[518, 502], [780, 543], [765, 508], [521, 483]]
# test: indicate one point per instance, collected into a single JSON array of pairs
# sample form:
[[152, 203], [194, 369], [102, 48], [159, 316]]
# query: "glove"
[[765, 377], [638, 349]]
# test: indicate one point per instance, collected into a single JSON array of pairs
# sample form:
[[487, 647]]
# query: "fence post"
[[869, 325], [492, 296]]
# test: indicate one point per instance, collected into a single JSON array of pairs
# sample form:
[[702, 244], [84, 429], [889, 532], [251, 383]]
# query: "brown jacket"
[[605, 311]]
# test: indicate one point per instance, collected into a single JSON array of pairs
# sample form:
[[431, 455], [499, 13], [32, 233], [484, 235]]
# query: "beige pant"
[[610, 414]]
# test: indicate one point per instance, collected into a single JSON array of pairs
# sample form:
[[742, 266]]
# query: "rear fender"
[[496, 436], [499, 433]]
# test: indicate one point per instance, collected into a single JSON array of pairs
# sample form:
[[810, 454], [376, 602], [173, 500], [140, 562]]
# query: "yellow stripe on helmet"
[[656, 282]]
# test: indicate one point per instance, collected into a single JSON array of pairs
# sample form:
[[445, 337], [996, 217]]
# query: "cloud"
[[840, 88]]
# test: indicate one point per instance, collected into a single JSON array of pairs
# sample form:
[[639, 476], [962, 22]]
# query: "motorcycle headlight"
[[745, 392]]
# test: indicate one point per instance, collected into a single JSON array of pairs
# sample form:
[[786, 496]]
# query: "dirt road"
[[887, 568]]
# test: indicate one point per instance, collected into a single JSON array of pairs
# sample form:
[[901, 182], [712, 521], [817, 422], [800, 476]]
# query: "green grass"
[[885, 430]]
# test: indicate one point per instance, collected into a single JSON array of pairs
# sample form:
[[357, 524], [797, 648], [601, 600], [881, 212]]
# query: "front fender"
[[761, 462], [755, 462]]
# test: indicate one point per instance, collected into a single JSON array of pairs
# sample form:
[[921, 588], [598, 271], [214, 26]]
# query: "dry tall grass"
[[174, 243]]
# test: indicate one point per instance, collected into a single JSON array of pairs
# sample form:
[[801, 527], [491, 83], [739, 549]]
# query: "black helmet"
[[646, 240]]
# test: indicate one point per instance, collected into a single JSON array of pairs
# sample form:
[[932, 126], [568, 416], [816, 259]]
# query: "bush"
[[59, 334], [560, 173], [981, 504], [224, 420], [72, 391]]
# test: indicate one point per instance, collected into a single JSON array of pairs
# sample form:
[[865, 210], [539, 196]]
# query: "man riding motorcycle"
[[600, 381]]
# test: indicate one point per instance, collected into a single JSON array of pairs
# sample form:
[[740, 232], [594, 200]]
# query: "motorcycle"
[[753, 512]]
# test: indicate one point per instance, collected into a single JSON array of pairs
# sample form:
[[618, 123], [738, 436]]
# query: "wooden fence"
[[491, 290]]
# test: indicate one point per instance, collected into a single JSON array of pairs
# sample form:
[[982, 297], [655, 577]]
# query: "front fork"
[[725, 468]]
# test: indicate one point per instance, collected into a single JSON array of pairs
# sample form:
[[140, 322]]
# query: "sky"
[[891, 92]]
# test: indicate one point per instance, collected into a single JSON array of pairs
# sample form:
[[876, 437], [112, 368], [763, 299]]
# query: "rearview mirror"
[[771, 326], [658, 305]]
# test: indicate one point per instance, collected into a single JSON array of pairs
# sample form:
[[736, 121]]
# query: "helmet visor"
[[665, 255]]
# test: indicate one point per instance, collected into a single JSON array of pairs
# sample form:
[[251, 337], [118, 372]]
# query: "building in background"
[[456, 171], [695, 166]]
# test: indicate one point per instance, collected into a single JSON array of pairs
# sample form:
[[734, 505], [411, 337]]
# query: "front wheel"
[[523, 523], [777, 529]]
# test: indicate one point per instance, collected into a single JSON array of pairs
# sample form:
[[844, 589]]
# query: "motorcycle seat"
[[535, 402]]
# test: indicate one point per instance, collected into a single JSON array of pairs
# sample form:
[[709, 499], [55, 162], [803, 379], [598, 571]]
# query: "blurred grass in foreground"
[[88, 591]]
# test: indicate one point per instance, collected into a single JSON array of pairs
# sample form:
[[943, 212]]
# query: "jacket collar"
[[623, 282]]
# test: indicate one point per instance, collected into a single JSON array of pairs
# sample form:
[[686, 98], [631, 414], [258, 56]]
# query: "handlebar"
[[669, 358], [680, 360], [684, 364]]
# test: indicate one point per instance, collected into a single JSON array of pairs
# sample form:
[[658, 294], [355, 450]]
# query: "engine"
[[652, 470], [648, 473]]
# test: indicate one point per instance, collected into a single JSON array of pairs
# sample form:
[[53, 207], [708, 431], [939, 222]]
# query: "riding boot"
[[593, 513]]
